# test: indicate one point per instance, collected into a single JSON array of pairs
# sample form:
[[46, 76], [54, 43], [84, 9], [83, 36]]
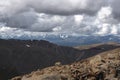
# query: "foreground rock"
[[105, 66]]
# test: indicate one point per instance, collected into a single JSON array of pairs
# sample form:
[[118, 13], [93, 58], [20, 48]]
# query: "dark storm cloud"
[[61, 7], [67, 7], [115, 4], [23, 20]]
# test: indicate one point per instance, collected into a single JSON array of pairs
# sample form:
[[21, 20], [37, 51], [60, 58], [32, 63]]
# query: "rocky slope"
[[105, 66]]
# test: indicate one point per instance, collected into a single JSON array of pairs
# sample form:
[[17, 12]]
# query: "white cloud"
[[114, 30], [104, 13], [78, 19], [104, 29], [56, 29]]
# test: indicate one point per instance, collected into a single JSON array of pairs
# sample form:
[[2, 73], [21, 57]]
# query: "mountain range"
[[71, 40], [19, 57]]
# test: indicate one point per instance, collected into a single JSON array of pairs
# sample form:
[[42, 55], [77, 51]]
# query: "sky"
[[55, 17]]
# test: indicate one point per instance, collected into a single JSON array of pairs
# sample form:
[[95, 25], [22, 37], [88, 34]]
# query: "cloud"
[[60, 7], [115, 4], [22, 20], [11, 7], [14, 33], [79, 17], [67, 7]]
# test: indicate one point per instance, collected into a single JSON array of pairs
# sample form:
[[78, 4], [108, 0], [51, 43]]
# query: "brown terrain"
[[97, 62]]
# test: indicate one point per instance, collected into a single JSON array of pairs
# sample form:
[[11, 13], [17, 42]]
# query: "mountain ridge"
[[18, 57]]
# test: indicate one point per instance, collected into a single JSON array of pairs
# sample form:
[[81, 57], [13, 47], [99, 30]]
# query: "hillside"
[[105, 66], [19, 57]]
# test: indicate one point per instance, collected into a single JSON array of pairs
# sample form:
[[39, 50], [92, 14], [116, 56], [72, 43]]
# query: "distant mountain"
[[72, 40], [18, 57], [69, 40], [105, 66], [82, 40]]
